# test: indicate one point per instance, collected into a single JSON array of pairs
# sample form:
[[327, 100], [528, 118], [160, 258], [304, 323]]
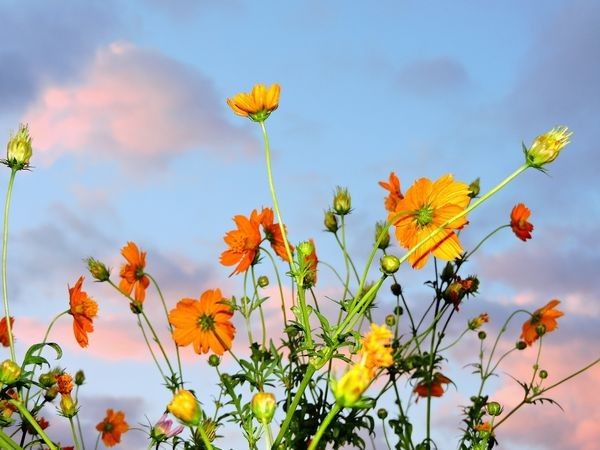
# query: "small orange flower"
[[545, 317], [4, 340], [112, 427], [519, 222], [425, 207], [205, 323], [132, 274], [432, 388], [258, 104], [273, 233], [83, 309], [64, 383], [395, 195], [485, 427], [243, 243]]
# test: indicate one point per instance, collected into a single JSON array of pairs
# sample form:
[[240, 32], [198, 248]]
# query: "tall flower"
[[545, 318], [83, 309], [273, 233], [4, 331], [132, 274], [257, 104], [519, 222], [205, 323], [426, 206], [395, 194], [243, 242], [112, 427]]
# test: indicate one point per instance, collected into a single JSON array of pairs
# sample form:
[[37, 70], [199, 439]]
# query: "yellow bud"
[[68, 408], [390, 264], [342, 202], [9, 371], [264, 406], [185, 407], [18, 149], [546, 147], [348, 389], [382, 230], [330, 221], [98, 270]]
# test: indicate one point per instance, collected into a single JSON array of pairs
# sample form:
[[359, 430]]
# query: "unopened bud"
[[521, 345], [474, 188], [448, 272], [330, 221], [18, 149], [10, 371], [79, 377], [382, 235], [342, 202], [263, 281], [263, 406], [382, 413], [389, 264], [185, 407], [396, 289], [214, 360], [68, 408], [540, 330], [398, 310], [50, 393], [390, 320], [98, 270], [494, 408], [546, 147], [543, 374], [482, 335], [47, 379]]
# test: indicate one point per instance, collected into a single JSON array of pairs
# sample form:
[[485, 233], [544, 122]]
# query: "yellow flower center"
[[206, 322], [424, 216]]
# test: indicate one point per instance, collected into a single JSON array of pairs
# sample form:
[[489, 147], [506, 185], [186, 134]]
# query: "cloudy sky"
[[133, 141]]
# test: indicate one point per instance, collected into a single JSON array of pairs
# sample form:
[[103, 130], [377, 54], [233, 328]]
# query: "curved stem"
[[324, 425], [11, 342], [150, 347], [489, 235]]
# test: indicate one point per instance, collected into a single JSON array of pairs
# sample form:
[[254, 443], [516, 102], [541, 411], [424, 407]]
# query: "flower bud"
[[50, 394], [307, 260], [521, 345], [185, 407], [382, 230], [448, 272], [543, 374], [68, 408], [398, 310], [494, 408], [10, 371], [482, 335], [210, 429], [474, 188], [79, 377], [390, 320], [263, 281], [478, 321], [454, 293], [98, 270], [47, 379], [349, 389], [396, 289], [470, 285], [389, 264], [214, 360], [540, 330], [382, 413], [546, 147], [342, 202], [263, 406], [18, 149], [330, 221]]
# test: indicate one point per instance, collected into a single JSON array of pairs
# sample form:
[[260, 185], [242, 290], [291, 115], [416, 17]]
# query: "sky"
[[133, 141]]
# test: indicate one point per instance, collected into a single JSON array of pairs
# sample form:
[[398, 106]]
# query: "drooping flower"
[[376, 347], [258, 104], [426, 206], [185, 407], [112, 427], [205, 323], [4, 340], [83, 309], [243, 243], [395, 194], [432, 388], [132, 274], [519, 222], [544, 317], [273, 234]]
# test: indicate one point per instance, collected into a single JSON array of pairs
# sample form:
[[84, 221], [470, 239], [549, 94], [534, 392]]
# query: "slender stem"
[[77, 419], [36, 426], [489, 235], [343, 246], [279, 285], [387, 441], [324, 425], [204, 437], [75, 440], [149, 346], [268, 435], [260, 309], [97, 442], [11, 342], [574, 374]]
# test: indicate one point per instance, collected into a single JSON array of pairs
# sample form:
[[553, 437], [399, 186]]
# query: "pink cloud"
[[138, 105]]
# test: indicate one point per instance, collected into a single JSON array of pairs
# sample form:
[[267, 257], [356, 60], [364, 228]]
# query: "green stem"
[[574, 374], [279, 285], [469, 254], [324, 425], [8, 443], [268, 435], [77, 419], [36, 426], [97, 442], [204, 437], [75, 440], [11, 342], [149, 346], [260, 310]]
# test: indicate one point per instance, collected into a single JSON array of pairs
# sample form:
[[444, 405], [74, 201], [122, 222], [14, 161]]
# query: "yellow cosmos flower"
[[376, 347], [546, 147], [257, 104], [348, 389]]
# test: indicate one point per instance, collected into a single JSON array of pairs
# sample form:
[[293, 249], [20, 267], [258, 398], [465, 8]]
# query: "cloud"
[[433, 76], [136, 106]]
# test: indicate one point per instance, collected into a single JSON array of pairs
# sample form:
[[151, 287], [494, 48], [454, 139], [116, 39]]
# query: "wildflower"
[[68, 407], [10, 371], [258, 104], [348, 389], [205, 323], [395, 195], [263, 406], [426, 206], [432, 388], [185, 407], [342, 202], [273, 233], [478, 321], [18, 149], [485, 427], [544, 317], [132, 274], [519, 222], [4, 340], [83, 309], [243, 243], [64, 383], [112, 427], [376, 347], [162, 430], [307, 256], [546, 147]]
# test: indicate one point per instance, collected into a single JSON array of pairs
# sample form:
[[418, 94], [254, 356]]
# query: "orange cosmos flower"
[[519, 222], [258, 104], [395, 195], [112, 427], [132, 274], [485, 427], [432, 388], [205, 323], [83, 309], [426, 206], [243, 243], [376, 347], [64, 383], [545, 317], [273, 233], [4, 340]]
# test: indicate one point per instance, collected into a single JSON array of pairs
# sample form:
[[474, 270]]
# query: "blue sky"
[[133, 141]]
